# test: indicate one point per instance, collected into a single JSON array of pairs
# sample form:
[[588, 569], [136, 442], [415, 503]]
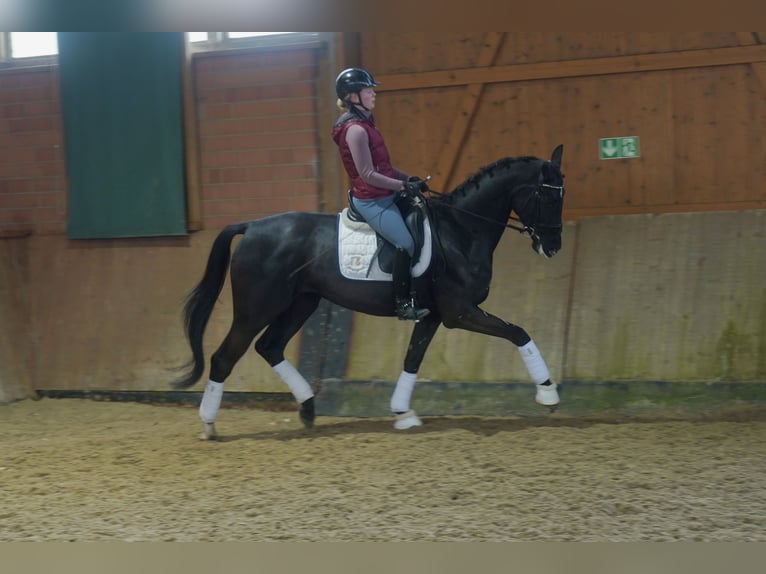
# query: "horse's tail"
[[201, 300]]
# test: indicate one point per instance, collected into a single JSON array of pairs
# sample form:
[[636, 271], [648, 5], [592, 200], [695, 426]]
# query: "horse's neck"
[[491, 198], [491, 201]]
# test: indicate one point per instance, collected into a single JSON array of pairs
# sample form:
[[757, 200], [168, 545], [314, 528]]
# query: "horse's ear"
[[556, 155]]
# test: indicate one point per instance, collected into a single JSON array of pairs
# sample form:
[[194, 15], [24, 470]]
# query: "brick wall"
[[257, 128], [257, 122], [32, 167]]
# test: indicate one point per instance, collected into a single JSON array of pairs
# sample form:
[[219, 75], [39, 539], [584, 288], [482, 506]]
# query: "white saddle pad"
[[357, 244]]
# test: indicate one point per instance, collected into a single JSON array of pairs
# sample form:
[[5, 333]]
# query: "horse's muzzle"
[[546, 251]]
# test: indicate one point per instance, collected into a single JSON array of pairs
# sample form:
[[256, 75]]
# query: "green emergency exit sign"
[[619, 148]]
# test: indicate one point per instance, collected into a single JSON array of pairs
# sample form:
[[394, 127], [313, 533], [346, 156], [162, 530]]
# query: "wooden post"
[[759, 68], [342, 52], [191, 142], [331, 196]]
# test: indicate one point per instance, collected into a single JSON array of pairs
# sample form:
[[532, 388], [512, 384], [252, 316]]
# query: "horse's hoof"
[[308, 422], [208, 432], [407, 420], [547, 395], [307, 413]]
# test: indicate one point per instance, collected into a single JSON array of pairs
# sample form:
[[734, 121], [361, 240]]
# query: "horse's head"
[[539, 207]]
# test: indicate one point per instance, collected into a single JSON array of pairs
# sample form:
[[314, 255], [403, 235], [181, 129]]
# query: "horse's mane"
[[488, 171]]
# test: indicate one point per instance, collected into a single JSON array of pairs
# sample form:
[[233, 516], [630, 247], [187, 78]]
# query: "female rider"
[[376, 184]]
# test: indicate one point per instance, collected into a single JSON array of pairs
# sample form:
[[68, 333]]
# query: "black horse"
[[286, 263]]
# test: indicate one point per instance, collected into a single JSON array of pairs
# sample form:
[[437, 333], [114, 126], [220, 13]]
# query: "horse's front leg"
[[477, 320], [421, 337]]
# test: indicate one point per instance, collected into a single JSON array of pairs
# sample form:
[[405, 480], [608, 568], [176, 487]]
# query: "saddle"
[[414, 219]]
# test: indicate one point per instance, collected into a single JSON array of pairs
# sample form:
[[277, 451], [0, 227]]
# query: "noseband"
[[531, 227]]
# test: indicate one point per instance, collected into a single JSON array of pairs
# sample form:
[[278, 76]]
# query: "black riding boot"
[[404, 296]]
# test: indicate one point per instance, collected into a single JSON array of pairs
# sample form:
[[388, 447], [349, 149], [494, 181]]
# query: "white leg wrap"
[[400, 400], [211, 402], [299, 387], [538, 370]]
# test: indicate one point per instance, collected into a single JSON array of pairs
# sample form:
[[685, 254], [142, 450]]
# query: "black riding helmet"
[[352, 81]]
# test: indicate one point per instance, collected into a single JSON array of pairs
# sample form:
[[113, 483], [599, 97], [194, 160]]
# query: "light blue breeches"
[[384, 217]]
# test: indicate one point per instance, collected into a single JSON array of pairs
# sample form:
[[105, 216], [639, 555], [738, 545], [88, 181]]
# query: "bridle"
[[529, 228]]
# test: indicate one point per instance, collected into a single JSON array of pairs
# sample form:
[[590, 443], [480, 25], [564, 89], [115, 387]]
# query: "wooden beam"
[[467, 109], [575, 68], [331, 193], [575, 213], [191, 142], [343, 51], [759, 68], [746, 38]]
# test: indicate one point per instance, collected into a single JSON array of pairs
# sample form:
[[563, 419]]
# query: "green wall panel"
[[123, 132]]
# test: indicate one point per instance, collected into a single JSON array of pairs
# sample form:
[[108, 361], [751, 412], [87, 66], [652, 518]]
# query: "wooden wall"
[[452, 102]]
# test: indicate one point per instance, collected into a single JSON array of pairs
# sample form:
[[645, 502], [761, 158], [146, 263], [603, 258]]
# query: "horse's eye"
[[552, 194]]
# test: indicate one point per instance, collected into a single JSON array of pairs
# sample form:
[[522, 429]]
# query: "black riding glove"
[[413, 186]]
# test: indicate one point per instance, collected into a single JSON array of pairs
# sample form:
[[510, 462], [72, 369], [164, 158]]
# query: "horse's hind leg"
[[232, 348], [271, 346]]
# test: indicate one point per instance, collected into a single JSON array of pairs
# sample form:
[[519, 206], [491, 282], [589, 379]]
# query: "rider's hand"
[[414, 185]]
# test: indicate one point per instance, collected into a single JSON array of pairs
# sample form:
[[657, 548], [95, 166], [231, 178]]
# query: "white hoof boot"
[[208, 432], [407, 420], [547, 395]]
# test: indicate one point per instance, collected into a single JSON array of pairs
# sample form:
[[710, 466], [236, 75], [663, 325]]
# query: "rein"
[[526, 228]]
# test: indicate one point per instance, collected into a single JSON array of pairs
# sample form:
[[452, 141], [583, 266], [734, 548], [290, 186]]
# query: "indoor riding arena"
[[123, 155]]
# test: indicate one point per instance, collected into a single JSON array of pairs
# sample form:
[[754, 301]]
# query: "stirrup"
[[408, 311]]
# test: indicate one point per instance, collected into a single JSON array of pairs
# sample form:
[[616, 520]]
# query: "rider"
[[376, 184]]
